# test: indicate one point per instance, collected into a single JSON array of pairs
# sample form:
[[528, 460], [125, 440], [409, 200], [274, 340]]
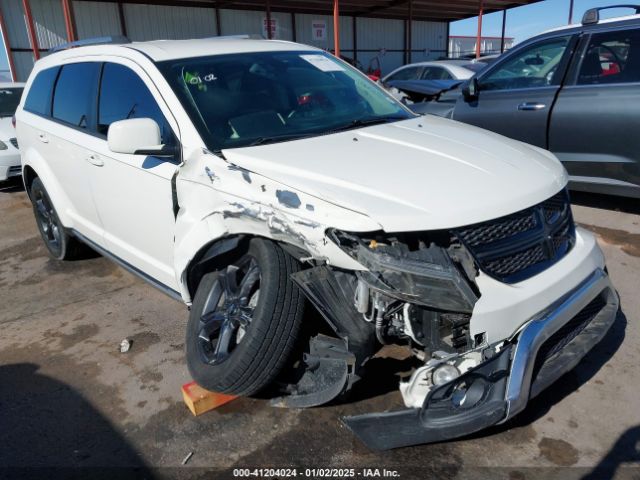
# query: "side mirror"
[[471, 90], [137, 136]]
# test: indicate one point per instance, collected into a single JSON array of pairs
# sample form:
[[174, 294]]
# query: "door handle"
[[531, 106], [43, 138], [95, 160]]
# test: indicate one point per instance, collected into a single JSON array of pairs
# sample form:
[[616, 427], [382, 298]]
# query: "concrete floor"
[[68, 398]]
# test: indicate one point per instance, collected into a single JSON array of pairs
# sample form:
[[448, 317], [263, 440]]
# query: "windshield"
[[9, 100], [247, 99]]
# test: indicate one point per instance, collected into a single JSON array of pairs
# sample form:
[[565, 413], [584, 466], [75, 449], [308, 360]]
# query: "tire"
[[59, 243], [238, 347]]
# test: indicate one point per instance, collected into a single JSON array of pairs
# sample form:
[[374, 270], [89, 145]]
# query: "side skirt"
[[129, 268]]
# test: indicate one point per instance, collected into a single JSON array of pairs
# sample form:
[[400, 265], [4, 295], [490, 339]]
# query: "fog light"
[[444, 374], [468, 393]]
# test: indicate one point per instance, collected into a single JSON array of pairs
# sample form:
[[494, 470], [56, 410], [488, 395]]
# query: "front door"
[[133, 193], [517, 94]]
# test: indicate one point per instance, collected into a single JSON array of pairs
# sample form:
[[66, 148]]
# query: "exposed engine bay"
[[419, 290]]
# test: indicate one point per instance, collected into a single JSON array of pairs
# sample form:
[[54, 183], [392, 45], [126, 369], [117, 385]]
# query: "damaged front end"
[[419, 289]]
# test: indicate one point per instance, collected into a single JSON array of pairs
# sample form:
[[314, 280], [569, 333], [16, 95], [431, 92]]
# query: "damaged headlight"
[[422, 268]]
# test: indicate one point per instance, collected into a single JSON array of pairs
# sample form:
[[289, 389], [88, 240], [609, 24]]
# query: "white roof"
[[160, 50]]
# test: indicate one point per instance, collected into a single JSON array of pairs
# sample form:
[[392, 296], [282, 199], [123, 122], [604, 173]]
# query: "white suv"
[[241, 176], [10, 93]]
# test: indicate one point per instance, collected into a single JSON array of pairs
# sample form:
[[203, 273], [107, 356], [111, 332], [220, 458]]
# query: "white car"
[[241, 176], [435, 70], [10, 94]]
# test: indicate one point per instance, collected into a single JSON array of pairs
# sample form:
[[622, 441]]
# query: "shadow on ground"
[[50, 431]]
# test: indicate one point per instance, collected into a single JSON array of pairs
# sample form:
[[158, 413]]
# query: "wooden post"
[[31, 29], [479, 36], [336, 28]]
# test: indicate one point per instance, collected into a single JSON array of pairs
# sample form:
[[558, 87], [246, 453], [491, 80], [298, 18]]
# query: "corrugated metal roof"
[[422, 9]]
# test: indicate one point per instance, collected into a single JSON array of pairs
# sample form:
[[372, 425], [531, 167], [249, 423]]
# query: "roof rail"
[[113, 39], [592, 16], [242, 36]]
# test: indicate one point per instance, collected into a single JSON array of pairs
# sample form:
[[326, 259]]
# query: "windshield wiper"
[[366, 122], [278, 138]]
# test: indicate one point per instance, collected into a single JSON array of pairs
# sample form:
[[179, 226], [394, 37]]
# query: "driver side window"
[[535, 66]]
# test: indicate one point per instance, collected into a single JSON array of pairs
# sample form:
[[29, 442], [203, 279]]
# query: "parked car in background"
[[240, 176], [574, 91], [426, 80], [10, 93]]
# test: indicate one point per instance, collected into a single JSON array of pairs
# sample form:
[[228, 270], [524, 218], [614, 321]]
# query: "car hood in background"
[[419, 174], [424, 87]]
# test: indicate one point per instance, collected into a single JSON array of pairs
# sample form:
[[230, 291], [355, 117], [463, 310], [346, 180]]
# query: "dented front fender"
[[218, 199]]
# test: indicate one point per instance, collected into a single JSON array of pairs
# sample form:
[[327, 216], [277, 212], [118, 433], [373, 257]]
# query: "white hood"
[[420, 174]]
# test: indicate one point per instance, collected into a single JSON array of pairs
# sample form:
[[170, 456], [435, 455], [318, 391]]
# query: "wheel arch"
[[222, 251], [28, 176], [34, 166]]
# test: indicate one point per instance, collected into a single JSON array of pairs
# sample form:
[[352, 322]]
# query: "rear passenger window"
[[75, 93], [39, 97], [124, 95], [611, 57]]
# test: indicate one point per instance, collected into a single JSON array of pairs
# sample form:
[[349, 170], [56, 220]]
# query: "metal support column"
[[269, 36], [123, 23], [504, 26], [409, 32], [69, 20], [479, 35], [336, 28], [7, 46], [570, 12], [31, 29]]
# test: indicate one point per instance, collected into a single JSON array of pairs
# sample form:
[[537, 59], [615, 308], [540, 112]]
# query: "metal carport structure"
[[362, 29]]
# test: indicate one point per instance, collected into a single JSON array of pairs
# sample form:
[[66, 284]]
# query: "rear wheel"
[[244, 321], [60, 244]]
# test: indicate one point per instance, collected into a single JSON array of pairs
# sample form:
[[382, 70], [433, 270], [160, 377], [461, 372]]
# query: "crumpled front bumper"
[[548, 346]]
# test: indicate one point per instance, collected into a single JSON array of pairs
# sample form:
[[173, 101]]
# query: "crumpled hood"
[[419, 174]]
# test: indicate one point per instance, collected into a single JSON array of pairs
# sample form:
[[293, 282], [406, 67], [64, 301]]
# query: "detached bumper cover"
[[547, 347]]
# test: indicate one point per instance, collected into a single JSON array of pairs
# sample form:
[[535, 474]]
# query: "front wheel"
[[244, 321]]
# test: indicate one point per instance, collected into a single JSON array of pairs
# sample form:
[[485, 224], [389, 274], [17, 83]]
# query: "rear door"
[[595, 120], [60, 136], [517, 94], [133, 193]]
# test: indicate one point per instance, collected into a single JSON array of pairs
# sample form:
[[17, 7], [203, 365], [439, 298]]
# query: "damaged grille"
[[518, 246]]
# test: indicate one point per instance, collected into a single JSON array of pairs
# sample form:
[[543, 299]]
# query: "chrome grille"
[[517, 246]]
